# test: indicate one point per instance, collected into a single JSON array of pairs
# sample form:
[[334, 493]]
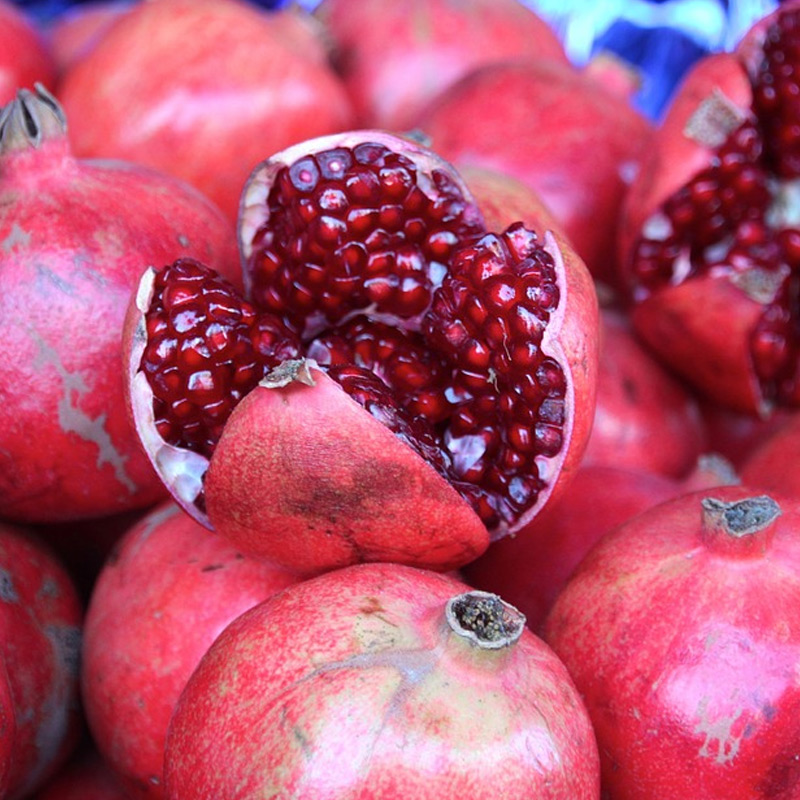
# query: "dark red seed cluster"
[[351, 230], [206, 349]]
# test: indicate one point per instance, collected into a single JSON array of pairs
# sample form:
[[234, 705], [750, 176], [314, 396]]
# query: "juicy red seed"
[[210, 349], [328, 211]]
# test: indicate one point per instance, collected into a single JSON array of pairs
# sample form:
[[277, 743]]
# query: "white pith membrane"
[[183, 470]]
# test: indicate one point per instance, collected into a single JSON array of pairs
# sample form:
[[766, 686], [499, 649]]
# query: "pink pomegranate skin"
[[85, 777], [555, 129], [771, 464], [680, 630], [400, 56], [177, 586], [355, 684], [71, 255], [200, 89], [41, 616], [645, 419], [24, 55]]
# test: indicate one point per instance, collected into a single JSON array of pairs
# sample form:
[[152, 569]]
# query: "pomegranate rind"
[[304, 478]]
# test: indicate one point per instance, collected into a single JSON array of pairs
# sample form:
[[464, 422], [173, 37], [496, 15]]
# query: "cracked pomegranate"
[[70, 256], [373, 286], [380, 681], [711, 243]]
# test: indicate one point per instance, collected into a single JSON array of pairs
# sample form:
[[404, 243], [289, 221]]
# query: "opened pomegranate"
[[711, 240], [374, 288], [397, 57], [177, 586], [203, 90], [380, 681], [680, 631], [24, 55], [71, 255]]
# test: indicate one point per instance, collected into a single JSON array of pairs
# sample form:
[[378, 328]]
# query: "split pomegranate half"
[[371, 285], [712, 233]]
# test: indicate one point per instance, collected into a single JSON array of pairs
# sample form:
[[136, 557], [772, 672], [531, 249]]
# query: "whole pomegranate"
[[710, 241], [559, 131], [40, 615], [24, 55], [398, 57], [380, 681], [771, 464], [72, 252], [177, 586], [203, 90], [681, 632], [373, 287]]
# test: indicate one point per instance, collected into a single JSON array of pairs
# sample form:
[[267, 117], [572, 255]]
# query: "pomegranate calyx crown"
[[484, 619], [293, 369], [741, 518], [30, 119]]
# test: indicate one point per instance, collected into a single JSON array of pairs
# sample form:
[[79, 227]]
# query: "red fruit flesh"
[[724, 223]]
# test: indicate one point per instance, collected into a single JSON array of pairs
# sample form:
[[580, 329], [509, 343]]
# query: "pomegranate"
[[581, 160], [680, 631], [370, 272], [86, 777], [771, 465], [177, 586], [711, 245], [41, 616], [400, 56], [71, 255], [380, 681], [644, 418], [24, 55], [203, 90]]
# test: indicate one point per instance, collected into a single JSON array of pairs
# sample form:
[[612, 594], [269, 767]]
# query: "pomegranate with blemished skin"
[[380, 681], [70, 258], [559, 131], [177, 586], [771, 465], [25, 58], [680, 631], [710, 241], [401, 56], [41, 617], [201, 89], [369, 270]]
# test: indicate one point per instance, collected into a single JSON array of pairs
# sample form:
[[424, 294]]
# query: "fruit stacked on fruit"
[[323, 279]]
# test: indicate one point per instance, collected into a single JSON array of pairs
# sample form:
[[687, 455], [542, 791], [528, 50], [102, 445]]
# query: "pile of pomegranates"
[[390, 408]]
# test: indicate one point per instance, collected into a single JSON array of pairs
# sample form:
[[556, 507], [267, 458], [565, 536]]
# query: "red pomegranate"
[[40, 616], [380, 681], [200, 89], [25, 58], [177, 586], [575, 143], [398, 57], [86, 777], [680, 631], [644, 419], [711, 245], [771, 465], [72, 252], [369, 271]]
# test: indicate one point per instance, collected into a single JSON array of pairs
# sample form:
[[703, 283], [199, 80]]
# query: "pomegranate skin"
[[71, 257], [770, 465], [304, 478], [24, 55], [400, 56], [680, 631], [41, 617], [200, 89], [369, 693], [486, 119], [177, 586]]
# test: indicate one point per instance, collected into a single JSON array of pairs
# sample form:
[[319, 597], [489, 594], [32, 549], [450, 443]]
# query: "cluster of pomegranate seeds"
[[206, 349], [488, 320], [731, 219], [351, 230]]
